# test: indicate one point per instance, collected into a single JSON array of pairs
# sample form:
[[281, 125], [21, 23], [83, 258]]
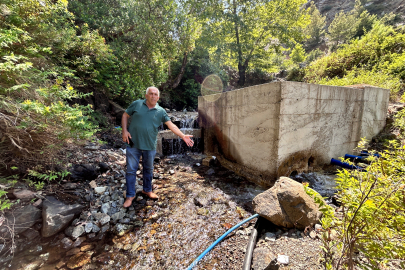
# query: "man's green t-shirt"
[[144, 124]]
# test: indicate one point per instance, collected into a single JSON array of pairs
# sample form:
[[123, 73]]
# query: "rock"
[[38, 203], [318, 228], [79, 241], [121, 229], [202, 199], [210, 171], [88, 227], [86, 248], [269, 236], [171, 172], [31, 234], [105, 228], [70, 186], [121, 201], [34, 265], [117, 216], [102, 218], [66, 243], [92, 147], [100, 190], [105, 208], [24, 194], [96, 228], [93, 184], [57, 215], [286, 204], [282, 259], [73, 251], [60, 264], [312, 234], [115, 196], [79, 260], [20, 220], [69, 231], [77, 231], [264, 258]]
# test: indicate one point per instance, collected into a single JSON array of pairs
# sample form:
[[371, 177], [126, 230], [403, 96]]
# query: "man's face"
[[152, 96]]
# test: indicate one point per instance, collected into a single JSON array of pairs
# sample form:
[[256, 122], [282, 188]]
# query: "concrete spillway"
[[271, 130]]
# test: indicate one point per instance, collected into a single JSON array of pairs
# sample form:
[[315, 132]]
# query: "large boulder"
[[286, 204], [57, 215], [19, 220]]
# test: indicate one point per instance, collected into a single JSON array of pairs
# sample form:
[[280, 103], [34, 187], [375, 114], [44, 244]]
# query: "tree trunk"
[[170, 84], [242, 75]]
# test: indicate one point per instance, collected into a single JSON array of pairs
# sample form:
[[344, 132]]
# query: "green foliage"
[[145, 37], [4, 202], [298, 54], [374, 59], [187, 92], [342, 28], [372, 222], [243, 33], [5, 182], [314, 55], [361, 76], [47, 176], [43, 58], [316, 28], [328, 213]]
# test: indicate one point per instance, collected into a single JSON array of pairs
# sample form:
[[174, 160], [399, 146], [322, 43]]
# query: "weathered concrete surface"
[[271, 130]]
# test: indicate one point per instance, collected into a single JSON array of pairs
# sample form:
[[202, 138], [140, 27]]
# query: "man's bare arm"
[[186, 138], [124, 125]]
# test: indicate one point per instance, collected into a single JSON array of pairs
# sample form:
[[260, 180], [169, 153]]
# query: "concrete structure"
[[169, 135], [272, 130]]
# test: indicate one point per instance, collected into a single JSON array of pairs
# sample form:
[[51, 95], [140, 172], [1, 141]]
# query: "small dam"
[[282, 128]]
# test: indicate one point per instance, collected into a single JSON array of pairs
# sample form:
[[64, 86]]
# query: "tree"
[[342, 28], [146, 36], [298, 54], [240, 32], [316, 28]]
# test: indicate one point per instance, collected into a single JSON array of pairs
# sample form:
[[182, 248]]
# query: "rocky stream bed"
[[198, 202]]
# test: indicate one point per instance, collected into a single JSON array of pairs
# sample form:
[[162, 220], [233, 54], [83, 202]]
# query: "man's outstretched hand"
[[187, 139]]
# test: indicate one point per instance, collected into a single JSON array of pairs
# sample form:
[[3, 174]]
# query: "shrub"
[[42, 59], [376, 57], [370, 231]]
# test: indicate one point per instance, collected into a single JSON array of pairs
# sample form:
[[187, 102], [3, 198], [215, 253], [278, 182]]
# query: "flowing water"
[[196, 206], [193, 211]]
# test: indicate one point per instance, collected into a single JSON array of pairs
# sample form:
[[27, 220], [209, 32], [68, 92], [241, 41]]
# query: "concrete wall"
[[271, 130]]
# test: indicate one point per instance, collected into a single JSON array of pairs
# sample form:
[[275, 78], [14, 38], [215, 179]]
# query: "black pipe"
[[250, 247]]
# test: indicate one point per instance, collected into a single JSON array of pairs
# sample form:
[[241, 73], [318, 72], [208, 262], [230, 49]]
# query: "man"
[[146, 116]]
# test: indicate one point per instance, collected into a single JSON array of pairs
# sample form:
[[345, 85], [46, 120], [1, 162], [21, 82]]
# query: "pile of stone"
[[97, 182]]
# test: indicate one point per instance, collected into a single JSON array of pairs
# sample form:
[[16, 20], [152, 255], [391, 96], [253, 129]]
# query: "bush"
[[370, 232], [376, 57], [42, 59]]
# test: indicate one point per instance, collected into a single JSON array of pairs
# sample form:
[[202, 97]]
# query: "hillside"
[[329, 8]]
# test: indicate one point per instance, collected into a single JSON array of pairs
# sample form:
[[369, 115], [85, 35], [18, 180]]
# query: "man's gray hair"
[[147, 90]]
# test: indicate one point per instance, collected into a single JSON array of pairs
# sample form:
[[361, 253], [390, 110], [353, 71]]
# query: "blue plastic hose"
[[219, 240], [344, 164]]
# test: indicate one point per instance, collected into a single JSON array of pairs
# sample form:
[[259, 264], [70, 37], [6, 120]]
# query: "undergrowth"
[[369, 231], [376, 59]]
